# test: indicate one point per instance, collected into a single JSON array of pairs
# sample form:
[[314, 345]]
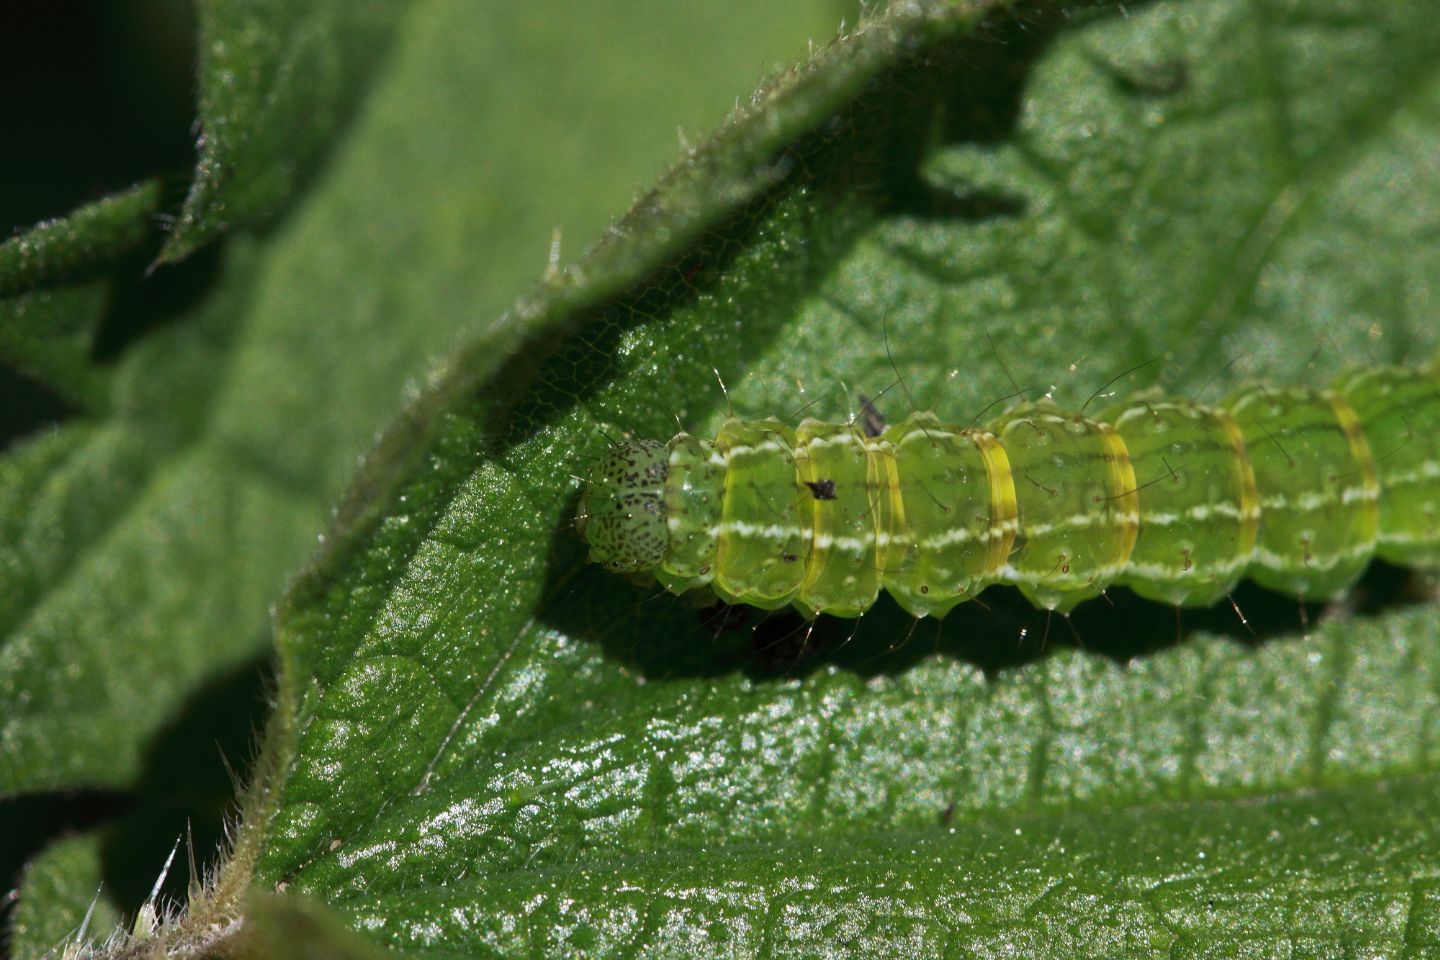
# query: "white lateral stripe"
[[1316, 500], [950, 537], [1201, 512], [1209, 572], [828, 541], [1080, 521], [761, 449], [1063, 581], [1429, 470], [1320, 564], [760, 531], [1363, 494], [1410, 538]]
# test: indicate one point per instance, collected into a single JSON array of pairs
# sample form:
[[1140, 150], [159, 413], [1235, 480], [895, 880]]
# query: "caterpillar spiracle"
[[1295, 488]]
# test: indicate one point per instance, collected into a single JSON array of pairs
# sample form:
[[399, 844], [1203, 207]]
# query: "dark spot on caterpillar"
[[822, 489], [872, 421]]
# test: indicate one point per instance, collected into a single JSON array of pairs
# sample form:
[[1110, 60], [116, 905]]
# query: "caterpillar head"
[[622, 511]]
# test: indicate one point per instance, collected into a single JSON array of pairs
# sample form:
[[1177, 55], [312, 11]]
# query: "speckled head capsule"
[[622, 511]]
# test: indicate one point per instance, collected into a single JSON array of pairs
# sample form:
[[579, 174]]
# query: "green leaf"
[[84, 238], [277, 80], [63, 902], [50, 335], [140, 549], [141, 545], [48, 326], [484, 746], [293, 927], [1189, 880]]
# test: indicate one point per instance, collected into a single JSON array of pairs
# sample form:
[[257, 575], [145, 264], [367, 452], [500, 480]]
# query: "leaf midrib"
[[765, 847]]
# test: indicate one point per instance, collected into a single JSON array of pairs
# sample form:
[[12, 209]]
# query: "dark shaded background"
[[98, 96]]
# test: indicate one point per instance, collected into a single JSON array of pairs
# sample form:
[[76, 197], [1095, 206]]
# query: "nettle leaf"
[[93, 234], [62, 902], [485, 746], [48, 326], [277, 81], [144, 540]]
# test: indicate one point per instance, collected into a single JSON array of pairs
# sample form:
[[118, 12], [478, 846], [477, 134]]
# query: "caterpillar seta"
[[1296, 488]]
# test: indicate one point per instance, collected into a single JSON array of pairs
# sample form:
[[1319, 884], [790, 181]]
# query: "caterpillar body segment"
[[1399, 413], [1318, 490], [1199, 523], [957, 503], [1078, 504], [1296, 488]]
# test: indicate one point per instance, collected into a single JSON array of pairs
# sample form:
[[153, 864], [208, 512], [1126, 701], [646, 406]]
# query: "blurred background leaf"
[[62, 884]]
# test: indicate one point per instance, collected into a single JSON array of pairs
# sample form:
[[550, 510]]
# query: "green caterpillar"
[[1295, 488]]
